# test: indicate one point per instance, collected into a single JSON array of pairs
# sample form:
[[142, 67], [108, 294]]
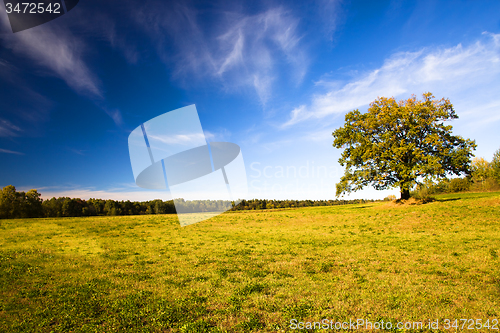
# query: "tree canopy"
[[19, 204], [481, 169], [400, 143]]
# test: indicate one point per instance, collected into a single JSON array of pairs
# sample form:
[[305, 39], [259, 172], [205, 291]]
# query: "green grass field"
[[253, 271]]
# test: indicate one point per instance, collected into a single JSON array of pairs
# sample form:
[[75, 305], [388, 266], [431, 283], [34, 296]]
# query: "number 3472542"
[[33, 8]]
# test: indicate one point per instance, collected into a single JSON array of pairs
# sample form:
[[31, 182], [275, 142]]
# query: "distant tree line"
[[18, 204], [14, 204], [485, 176], [274, 204]]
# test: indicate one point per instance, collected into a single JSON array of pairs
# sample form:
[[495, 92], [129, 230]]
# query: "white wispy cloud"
[[177, 139], [329, 12], [222, 134], [130, 195], [7, 129], [54, 48], [252, 47], [4, 64], [451, 72], [126, 192], [113, 113], [106, 194], [122, 191], [24, 111], [58, 51], [6, 151], [241, 51]]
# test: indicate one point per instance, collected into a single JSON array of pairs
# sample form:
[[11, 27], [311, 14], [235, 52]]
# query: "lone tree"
[[399, 144]]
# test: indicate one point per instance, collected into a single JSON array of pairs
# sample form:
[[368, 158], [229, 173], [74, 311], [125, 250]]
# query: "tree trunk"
[[405, 194]]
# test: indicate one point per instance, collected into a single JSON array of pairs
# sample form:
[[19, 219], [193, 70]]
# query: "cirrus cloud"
[[240, 51], [452, 72]]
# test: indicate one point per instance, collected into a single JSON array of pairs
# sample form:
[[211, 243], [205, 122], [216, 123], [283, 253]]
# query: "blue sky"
[[274, 77]]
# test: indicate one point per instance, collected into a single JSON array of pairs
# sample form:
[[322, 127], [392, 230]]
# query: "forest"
[[19, 204], [485, 177]]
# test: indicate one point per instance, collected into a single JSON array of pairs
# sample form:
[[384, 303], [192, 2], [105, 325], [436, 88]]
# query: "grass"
[[253, 271]]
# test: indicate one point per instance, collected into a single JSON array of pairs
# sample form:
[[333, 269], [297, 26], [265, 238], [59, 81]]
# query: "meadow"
[[253, 271]]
